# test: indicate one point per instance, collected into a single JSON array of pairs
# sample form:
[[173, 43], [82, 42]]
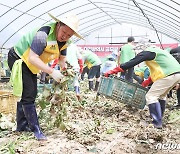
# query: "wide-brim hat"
[[71, 20]]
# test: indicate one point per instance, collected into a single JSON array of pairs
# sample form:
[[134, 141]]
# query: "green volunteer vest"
[[127, 53], [51, 52], [162, 65], [92, 59]]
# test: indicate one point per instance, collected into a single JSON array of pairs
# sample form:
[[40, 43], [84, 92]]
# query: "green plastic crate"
[[105, 86], [40, 87], [70, 85], [123, 91]]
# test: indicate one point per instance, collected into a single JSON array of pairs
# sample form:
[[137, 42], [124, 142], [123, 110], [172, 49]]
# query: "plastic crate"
[[106, 86], [70, 85], [8, 102], [123, 91], [41, 87]]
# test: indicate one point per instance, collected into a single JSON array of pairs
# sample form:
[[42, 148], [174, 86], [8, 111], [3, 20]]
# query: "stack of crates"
[[123, 91]]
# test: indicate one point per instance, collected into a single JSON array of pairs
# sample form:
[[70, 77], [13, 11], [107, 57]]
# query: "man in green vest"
[[36, 49], [164, 74], [127, 53], [93, 63]]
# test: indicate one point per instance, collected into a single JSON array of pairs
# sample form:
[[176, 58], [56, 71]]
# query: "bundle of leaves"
[[54, 100]]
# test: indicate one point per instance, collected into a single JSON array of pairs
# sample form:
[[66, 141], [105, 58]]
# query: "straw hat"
[[71, 21]]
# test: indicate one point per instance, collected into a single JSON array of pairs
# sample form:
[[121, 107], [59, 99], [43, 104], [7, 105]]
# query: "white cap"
[[143, 43]]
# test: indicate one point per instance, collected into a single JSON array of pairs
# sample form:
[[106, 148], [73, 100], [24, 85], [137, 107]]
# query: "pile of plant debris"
[[100, 126]]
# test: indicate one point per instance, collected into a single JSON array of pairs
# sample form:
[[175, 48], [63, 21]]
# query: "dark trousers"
[[85, 70], [128, 74], [94, 72], [29, 79], [137, 78]]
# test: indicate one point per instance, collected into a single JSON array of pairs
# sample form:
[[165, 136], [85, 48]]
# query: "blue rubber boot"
[[31, 116], [22, 123], [77, 90], [156, 114]]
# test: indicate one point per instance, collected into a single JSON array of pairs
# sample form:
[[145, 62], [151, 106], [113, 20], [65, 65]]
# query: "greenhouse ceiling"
[[19, 16]]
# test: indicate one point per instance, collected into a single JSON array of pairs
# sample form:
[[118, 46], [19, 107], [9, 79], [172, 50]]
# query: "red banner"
[[173, 45], [103, 50]]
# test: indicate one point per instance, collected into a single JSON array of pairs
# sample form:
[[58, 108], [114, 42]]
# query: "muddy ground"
[[99, 126]]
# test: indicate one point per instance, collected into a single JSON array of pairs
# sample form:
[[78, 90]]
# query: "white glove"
[[56, 75]]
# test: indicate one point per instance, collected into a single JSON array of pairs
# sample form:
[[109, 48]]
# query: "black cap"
[[130, 39]]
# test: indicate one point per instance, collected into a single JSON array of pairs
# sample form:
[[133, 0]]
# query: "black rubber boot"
[[22, 124], [169, 95], [31, 115], [90, 85], [163, 106], [156, 114], [178, 97], [96, 86], [177, 106]]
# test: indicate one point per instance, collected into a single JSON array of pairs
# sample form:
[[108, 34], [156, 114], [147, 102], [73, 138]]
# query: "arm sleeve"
[[142, 56], [40, 40], [175, 50], [64, 52]]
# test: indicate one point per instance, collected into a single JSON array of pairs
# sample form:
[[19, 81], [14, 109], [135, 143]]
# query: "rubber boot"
[[31, 115], [156, 114], [96, 86], [169, 95], [177, 106], [82, 76], [163, 106], [77, 91], [22, 124], [90, 85], [178, 96]]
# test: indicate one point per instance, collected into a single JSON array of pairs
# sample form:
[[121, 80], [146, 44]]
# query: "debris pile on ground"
[[100, 126]]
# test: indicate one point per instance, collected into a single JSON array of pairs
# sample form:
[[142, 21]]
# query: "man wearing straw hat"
[[33, 52], [164, 73]]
